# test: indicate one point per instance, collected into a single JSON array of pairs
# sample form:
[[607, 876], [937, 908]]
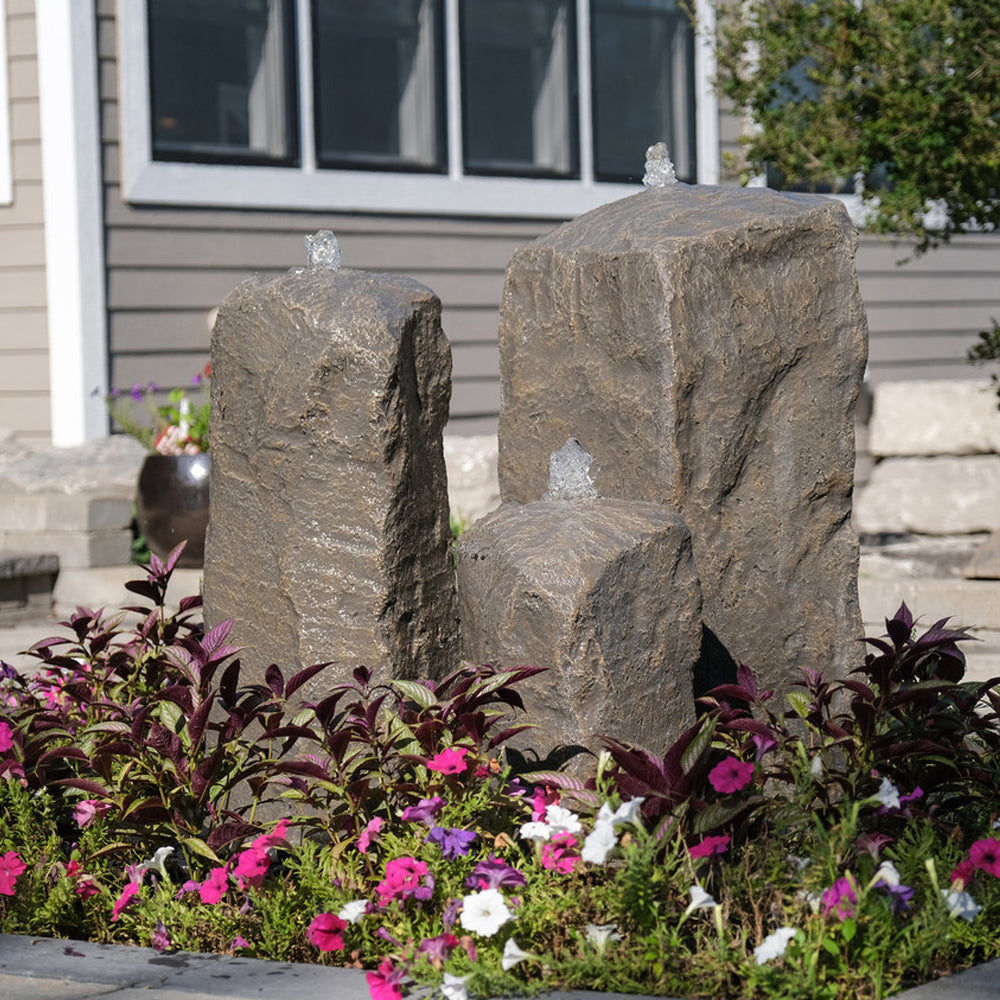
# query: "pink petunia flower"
[[276, 838], [985, 855], [326, 932], [373, 828], [840, 899], [215, 886], [450, 761], [11, 868], [556, 853], [385, 983], [964, 873], [405, 878], [161, 937], [730, 775], [709, 846], [125, 899], [88, 810], [6, 737], [251, 867]]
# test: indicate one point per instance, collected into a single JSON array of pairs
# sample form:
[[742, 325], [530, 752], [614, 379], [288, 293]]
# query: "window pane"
[[222, 80], [643, 86], [519, 87], [378, 71]]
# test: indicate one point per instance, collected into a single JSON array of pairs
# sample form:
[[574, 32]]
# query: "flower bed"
[[841, 844]]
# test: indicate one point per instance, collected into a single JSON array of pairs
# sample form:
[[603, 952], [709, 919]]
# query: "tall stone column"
[[707, 346], [328, 536]]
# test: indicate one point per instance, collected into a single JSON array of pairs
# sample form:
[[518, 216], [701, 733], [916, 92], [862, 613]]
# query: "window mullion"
[[453, 88], [304, 67], [584, 93]]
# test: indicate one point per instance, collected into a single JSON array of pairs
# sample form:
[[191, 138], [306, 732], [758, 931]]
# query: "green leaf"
[[848, 929], [831, 946], [799, 702], [198, 846], [698, 746], [419, 693]]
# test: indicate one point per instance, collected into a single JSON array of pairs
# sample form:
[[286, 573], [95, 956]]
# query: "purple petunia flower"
[[495, 874], [452, 841], [424, 811]]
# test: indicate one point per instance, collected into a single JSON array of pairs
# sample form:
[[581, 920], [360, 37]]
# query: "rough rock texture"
[[328, 536], [945, 495], [602, 592], [706, 345], [935, 418]]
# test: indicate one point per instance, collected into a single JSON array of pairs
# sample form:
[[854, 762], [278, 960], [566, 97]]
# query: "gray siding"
[[24, 355], [169, 267]]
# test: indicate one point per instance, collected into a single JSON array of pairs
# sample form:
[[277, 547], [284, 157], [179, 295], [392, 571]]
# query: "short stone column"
[[707, 345], [328, 536], [602, 592]]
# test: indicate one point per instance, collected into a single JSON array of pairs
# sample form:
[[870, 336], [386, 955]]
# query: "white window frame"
[[6, 156], [308, 188]]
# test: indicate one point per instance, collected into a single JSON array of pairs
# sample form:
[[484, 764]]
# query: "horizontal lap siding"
[[923, 315], [24, 356]]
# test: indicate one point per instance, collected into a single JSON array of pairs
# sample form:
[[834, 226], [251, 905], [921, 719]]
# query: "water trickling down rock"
[[569, 473], [659, 167]]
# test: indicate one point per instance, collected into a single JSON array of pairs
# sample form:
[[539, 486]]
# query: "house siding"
[[24, 354], [169, 267]]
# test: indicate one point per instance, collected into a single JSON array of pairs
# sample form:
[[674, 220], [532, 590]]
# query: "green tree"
[[904, 94]]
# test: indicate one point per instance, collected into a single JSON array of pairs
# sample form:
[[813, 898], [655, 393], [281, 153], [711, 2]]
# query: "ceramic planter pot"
[[172, 505]]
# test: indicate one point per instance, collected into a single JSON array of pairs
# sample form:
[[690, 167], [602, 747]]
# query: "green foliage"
[[901, 93], [988, 349]]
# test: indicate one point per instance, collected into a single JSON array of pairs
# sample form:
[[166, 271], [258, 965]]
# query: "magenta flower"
[[730, 775], [965, 874], [840, 899], [423, 812], [763, 744], [405, 878], [251, 867], [215, 886], [384, 984], [495, 874], [450, 761], [438, 948], [276, 838], [709, 846], [88, 810], [237, 944], [6, 737], [872, 843], [11, 868], [161, 937], [985, 855], [326, 932], [541, 798], [556, 853], [125, 899], [453, 842], [373, 828]]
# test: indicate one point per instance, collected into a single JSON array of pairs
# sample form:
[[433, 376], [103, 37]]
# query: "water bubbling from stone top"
[[322, 250], [659, 167], [569, 473]]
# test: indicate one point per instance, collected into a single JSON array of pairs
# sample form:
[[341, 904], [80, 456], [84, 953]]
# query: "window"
[[534, 107]]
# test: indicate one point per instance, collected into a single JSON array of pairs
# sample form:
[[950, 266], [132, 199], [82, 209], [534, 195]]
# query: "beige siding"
[[24, 358]]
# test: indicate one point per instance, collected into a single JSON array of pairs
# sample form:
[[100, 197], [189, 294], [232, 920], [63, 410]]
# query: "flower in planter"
[[485, 912], [326, 932], [176, 427], [11, 867]]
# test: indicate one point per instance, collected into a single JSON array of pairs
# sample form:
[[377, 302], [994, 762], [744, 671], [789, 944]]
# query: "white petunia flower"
[[774, 945], [484, 912], [960, 904], [700, 900], [561, 820], [156, 861], [886, 874], [887, 794], [453, 987], [537, 831], [599, 844], [599, 935], [812, 898], [512, 954], [353, 911], [628, 812]]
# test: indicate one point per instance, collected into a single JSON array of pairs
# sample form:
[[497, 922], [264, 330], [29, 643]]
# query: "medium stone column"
[[707, 345], [602, 592], [328, 536]]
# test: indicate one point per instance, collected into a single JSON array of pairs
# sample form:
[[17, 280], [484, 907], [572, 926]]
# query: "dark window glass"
[[379, 95], [642, 62], [222, 82], [519, 98]]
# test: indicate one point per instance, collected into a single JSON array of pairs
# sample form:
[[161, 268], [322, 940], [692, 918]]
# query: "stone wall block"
[[707, 346], [944, 495], [605, 594], [329, 536], [925, 417]]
